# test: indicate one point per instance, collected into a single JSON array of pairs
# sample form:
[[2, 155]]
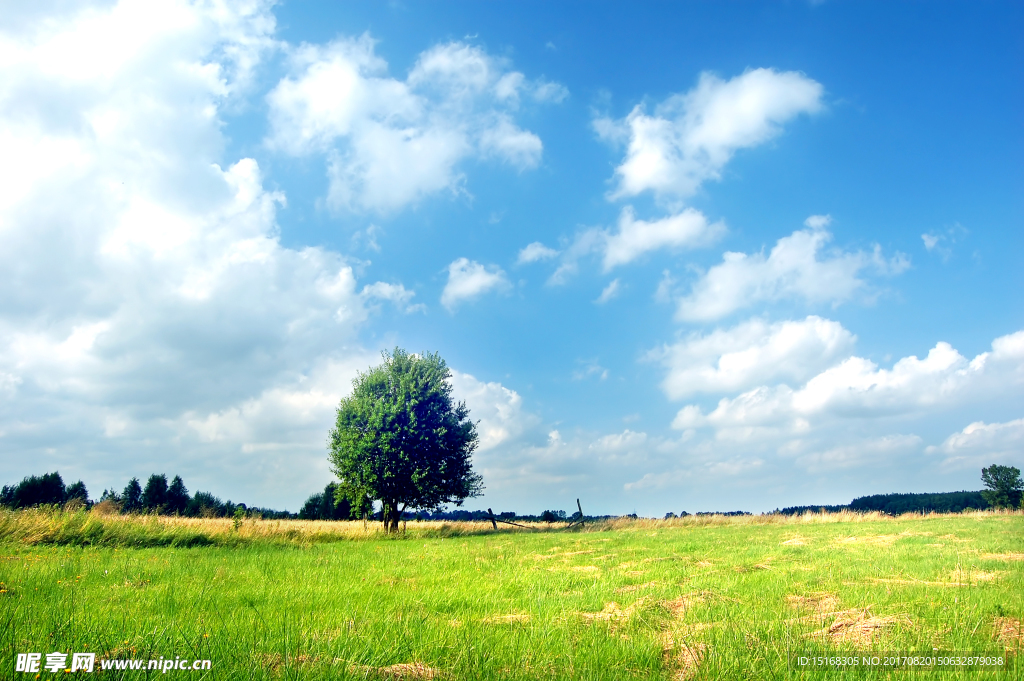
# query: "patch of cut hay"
[[511, 618], [636, 587], [1008, 631], [870, 540], [403, 670], [678, 606], [705, 563], [635, 573], [795, 541], [858, 627], [275, 661], [1002, 556], [682, 657], [612, 611], [585, 568], [974, 576], [577, 553], [820, 602]]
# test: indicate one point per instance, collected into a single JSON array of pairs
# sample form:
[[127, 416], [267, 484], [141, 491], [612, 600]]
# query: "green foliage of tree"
[[1004, 486], [205, 505], [78, 491], [34, 490], [177, 497], [155, 495], [401, 438], [552, 516], [331, 504], [895, 504], [131, 497]]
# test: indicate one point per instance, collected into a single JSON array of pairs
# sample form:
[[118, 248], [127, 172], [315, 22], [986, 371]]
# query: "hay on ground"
[[858, 627], [682, 657], [507, 619], [819, 602], [1008, 631], [1002, 556], [403, 670]]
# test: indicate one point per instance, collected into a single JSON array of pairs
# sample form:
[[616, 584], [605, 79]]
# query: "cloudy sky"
[[679, 256]]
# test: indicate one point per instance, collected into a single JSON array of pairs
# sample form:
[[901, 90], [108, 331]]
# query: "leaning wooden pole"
[[581, 510]]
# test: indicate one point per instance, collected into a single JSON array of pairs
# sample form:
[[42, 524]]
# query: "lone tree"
[[1004, 486], [402, 440]]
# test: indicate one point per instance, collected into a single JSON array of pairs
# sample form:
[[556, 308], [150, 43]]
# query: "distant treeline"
[[158, 496], [895, 504], [173, 498]]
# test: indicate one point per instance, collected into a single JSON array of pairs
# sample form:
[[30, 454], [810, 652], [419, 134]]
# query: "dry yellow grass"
[[858, 626], [40, 526], [1008, 632]]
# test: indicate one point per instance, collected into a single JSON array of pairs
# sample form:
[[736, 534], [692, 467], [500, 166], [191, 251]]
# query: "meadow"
[[688, 598]]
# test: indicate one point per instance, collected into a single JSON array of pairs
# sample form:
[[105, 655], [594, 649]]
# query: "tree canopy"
[[1004, 486], [400, 438]]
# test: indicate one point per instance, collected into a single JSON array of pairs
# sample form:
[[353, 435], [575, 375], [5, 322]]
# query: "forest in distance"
[[172, 498]]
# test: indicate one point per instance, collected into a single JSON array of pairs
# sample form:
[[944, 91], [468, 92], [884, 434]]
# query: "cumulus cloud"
[[691, 136], [874, 452], [857, 388], [684, 230], [632, 238], [534, 252], [982, 444], [468, 279], [750, 353], [391, 142], [395, 293], [498, 410], [797, 267], [148, 310], [609, 292]]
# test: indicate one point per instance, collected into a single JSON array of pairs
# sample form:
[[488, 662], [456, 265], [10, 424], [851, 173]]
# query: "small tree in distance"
[[131, 497], [401, 438], [1004, 486], [155, 495], [177, 497]]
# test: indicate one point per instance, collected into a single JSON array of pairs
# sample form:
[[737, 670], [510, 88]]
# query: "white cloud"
[[942, 244], [149, 314], [818, 221], [795, 268], [534, 252], [750, 353], [468, 279], [633, 238], [588, 368], [875, 452], [395, 293], [390, 142], [609, 292], [498, 410], [691, 136], [982, 444], [686, 229], [857, 389]]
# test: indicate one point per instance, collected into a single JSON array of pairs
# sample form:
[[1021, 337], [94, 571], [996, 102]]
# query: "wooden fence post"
[[581, 511], [490, 515]]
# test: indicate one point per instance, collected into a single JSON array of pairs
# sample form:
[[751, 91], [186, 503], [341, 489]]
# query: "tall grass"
[[701, 598], [78, 527]]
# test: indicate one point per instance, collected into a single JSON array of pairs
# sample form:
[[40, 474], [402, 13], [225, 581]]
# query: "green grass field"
[[702, 598]]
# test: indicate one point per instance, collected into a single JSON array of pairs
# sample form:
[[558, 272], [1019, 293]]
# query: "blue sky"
[[680, 256]]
